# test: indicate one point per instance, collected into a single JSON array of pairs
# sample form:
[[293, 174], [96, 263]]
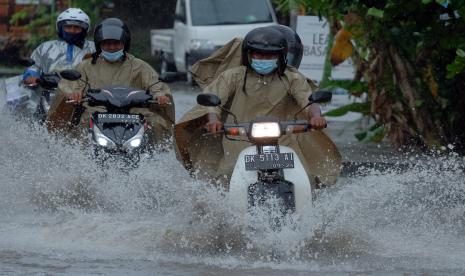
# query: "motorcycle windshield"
[[120, 96], [15, 93]]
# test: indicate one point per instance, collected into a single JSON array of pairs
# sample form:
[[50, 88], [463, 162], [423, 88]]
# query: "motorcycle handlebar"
[[86, 99], [287, 127]]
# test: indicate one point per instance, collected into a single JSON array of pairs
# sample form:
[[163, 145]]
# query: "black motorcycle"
[[117, 130]]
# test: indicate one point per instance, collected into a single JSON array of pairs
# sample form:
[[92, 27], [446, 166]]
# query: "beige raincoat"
[[131, 72], [271, 95], [229, 56]]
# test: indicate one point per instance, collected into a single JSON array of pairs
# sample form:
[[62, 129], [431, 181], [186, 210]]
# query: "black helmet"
[[295, 48], [267, 41], [112, 28]]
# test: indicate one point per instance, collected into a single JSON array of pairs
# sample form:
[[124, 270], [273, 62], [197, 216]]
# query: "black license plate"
[[118, 118], [269, 161]]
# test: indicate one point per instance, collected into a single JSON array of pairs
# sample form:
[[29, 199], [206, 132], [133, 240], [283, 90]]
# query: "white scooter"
[[267, 169]]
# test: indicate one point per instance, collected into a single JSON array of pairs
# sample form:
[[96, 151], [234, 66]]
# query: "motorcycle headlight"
[[266, 130], [136, 140], [101, 139]]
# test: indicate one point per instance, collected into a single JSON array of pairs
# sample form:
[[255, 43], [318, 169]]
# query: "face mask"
[[113, 57], [75, 39], [264, 66]]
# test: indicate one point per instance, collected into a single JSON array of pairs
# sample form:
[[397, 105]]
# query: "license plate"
[[269, 161], [118, 118]]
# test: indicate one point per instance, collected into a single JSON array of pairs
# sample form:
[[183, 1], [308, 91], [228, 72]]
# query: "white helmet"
[[72, 16]]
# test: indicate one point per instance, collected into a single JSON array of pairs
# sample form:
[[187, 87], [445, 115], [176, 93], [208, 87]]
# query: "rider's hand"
[[31, 80], [318, 122], [314, 117], [75, 97], [213, 125], [162, 100]]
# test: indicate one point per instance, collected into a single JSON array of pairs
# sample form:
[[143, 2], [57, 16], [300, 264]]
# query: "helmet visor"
[[264, 48], [76, 23], [112, 32]]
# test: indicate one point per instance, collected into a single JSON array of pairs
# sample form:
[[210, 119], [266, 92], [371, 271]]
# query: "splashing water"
[[61, 212]]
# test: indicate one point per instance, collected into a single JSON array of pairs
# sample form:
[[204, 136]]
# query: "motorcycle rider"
[[262, 86], [68, 51], [112, 65], [230, 55]]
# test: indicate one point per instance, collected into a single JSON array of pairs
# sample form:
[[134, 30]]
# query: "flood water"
[[61, 215]]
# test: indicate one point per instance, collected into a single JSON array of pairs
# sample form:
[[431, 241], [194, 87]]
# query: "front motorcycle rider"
[[262, 86], [230, 55], [65, 53], [112, 65]]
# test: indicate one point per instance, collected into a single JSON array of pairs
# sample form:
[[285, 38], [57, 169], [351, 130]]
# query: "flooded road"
[[61, 215]]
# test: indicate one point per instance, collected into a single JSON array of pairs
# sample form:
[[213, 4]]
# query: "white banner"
[[314, 34]]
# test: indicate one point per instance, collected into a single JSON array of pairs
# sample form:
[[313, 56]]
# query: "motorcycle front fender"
[[241, 179]]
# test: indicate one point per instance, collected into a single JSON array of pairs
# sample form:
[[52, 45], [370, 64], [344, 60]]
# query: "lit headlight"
[[204, 44], [266, 130], [136, 140], [101, 139]]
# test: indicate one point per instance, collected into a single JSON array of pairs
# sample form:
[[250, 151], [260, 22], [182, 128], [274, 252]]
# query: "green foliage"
[[42, 27], [18, 16], [375, 133], [427, 36], [457, 66], [375, 12]]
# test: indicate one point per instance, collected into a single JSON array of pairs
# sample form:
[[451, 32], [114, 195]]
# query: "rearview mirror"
[[320, 96], [71, 75], [28, 62], [208, 100]]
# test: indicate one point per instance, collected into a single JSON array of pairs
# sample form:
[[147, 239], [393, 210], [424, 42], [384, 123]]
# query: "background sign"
[[314, 34]]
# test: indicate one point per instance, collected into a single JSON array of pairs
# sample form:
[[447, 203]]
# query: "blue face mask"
[[264, 66], [113, 57]]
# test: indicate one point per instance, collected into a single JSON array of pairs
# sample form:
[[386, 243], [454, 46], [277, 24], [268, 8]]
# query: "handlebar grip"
[[31, 85], [311, 127], [205, 132], [82, 100]]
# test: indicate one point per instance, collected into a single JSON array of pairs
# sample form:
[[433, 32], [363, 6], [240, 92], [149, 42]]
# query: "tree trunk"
[[406, 83]]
